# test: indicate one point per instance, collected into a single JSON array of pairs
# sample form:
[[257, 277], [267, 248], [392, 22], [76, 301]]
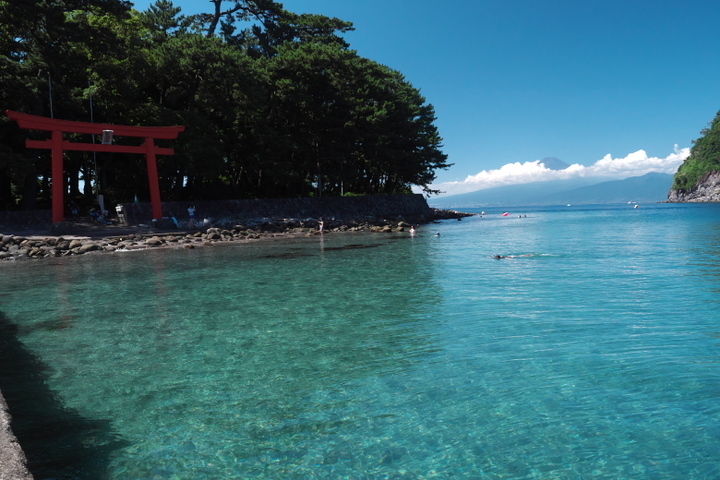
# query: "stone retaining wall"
[[12, 458], [26, 218], [413, 207], [408, 206]]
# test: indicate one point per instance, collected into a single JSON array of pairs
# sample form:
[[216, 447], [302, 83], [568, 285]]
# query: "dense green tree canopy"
[[704, 158], [276, 104]]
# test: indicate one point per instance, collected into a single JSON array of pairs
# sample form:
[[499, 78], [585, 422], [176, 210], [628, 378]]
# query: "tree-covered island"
[[276, 104]]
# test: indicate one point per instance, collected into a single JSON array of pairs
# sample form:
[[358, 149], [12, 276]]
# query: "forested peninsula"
[[276, 104], [698, 178]]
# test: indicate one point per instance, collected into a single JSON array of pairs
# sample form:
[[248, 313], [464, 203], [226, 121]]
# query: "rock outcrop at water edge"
[[706, 190]]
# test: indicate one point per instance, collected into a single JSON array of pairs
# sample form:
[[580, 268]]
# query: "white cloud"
[[633, 165]]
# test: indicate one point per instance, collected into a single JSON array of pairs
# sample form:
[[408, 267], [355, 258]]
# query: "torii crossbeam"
[[58, 146]]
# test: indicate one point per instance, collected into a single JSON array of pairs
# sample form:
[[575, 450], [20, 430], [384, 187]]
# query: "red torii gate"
[[58, 145]]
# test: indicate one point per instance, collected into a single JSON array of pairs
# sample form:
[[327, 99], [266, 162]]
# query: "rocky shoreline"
[[35, 245], [707, 190]]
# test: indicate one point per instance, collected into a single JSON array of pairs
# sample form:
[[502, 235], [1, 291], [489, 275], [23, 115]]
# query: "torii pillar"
[[58, 146]]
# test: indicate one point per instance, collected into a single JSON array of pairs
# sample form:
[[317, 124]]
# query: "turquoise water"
[[592, 354]]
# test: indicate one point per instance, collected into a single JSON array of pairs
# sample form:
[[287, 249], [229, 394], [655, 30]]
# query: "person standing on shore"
[[321, 225], [191, 214]]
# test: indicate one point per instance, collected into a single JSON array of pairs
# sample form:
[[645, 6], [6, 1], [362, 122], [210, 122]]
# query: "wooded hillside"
[[704, 158]]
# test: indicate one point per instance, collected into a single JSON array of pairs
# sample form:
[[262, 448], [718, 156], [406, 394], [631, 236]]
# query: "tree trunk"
[[6, 199], [30, 190]]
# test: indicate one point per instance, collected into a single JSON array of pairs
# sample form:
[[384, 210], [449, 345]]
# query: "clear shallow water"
[[372, 356]]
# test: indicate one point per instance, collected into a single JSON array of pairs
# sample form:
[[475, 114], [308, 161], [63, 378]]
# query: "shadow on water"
[[295, 254], [287, 255], [354, 246], [57, 441]]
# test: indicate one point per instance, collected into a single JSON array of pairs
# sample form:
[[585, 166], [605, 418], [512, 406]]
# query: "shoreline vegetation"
[[89, 238], [697, 177], [315, 117]]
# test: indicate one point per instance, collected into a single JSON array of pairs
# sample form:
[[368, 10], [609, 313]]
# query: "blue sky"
[[617, 88]]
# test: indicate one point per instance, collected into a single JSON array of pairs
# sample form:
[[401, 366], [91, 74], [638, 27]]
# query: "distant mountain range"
[[652, 187]]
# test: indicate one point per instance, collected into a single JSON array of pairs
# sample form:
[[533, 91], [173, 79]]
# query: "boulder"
[[88, 247], [154, 241]]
